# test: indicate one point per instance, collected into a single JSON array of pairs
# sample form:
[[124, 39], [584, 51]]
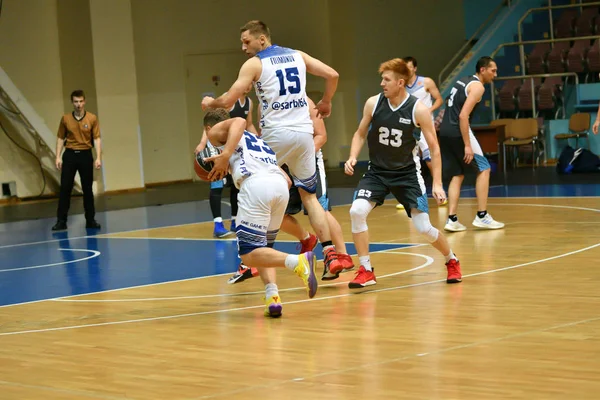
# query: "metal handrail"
[[532, 77], [549, 9], [468, 42], [524, 42]]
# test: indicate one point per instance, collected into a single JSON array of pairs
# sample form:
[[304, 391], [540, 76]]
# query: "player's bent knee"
[[358, 215], [423, 225]]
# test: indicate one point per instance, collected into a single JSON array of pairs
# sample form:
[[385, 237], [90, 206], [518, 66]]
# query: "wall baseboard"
[[120, 191], [167, 183]]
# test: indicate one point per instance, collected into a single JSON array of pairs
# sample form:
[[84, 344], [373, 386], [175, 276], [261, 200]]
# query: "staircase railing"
[[548, 8], [532, 77], [32, 130], [469, 42]]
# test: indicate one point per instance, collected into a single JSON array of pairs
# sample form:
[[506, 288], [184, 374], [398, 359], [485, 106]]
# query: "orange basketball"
[[202, 167]]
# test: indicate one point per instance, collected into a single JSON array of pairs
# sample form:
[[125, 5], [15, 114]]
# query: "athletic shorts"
[[297, 151], [453, 154], [260, 211], [406, 185], [295, 203]]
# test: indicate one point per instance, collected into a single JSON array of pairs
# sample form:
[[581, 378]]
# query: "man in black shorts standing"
[[388, 123], [460, 147]]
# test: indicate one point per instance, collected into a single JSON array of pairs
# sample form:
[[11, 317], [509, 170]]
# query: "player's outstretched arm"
[[433, 90], [360, 136], [227, 133], [249, 119], [475, 93], [319, 68], [202, 143], [319, 131], [423, 119], [249, 73], [597, 122]]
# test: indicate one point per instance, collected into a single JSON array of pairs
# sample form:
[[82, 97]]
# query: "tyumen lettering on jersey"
[[282, 59]]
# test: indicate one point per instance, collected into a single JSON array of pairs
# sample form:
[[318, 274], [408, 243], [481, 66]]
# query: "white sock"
[[451, 256], [218, 219], [271, 290], [307, 236], [365, 261], [291, 261], [233, 218]]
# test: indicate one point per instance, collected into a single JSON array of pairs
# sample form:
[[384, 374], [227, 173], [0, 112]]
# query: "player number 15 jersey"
[[281, 90]]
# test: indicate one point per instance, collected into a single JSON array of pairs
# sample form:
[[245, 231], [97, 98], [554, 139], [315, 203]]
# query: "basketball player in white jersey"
[[279, 77], [424, 89], [242, 108], [292, 226], [253, 166]]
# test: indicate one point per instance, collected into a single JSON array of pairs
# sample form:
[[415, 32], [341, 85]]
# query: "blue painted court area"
[[38, 264], [86, 265]]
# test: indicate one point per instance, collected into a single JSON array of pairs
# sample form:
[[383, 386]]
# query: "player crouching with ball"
[[263, 197]]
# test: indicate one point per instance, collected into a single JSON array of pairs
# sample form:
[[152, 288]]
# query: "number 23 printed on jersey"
[[384, 137]]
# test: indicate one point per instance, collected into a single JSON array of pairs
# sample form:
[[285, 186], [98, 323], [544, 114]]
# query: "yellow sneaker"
[[273, 306], [306, 270], [399, 207]]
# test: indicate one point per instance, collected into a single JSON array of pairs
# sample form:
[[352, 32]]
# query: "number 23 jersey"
[[251, 156], [391, 137]]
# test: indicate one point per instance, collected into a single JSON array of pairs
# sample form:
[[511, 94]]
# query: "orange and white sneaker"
[[242, 274], [309, 244], [332, 265], [363, 278], [273, 306], [454, 274]]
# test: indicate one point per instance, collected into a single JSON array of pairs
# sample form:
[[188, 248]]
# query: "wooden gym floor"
[[142, 310]]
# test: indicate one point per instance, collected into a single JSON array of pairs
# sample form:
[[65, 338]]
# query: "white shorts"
[[425, 154], [297, 151], [260, 211]]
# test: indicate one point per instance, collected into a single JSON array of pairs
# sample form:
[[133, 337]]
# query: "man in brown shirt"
[[78, 132]]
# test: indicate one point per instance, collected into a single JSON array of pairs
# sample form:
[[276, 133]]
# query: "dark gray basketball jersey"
[[392, 144], [240, 111], [450, 125]]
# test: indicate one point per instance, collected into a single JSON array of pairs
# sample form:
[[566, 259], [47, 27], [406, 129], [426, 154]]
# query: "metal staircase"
[[28, 131]]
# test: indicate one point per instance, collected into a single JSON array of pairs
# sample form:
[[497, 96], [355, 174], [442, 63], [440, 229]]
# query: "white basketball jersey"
[[251, 156], [418, 90], [281, 90]]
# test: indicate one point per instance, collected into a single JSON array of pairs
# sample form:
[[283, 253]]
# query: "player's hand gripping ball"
[[202, 167]]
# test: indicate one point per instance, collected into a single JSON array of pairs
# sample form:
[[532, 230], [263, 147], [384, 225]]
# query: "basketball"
[[202, 167]]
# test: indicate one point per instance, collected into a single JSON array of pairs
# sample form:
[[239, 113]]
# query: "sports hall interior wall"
[[130, 57]]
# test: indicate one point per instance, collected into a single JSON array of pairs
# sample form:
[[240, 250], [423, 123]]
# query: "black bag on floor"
[[574, 161]]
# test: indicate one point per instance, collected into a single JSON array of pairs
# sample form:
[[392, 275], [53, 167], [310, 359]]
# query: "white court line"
[[204, 222], [401, 358], [428, 261], [409, 246], [543, 206], [209, 276], [227, 310], [94, 255]]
